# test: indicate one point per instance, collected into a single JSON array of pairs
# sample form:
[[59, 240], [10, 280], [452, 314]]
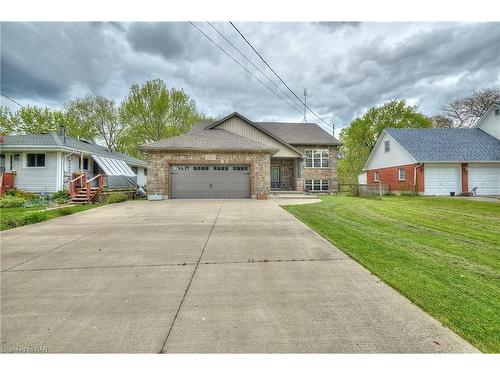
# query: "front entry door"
[[275, 177]]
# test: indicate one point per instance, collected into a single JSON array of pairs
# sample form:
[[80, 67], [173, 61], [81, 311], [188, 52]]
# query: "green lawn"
[[12, 217], [443, 254]]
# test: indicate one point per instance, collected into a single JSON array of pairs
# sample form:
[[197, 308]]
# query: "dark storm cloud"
[[335, 26], [171, 40], [346, 67]]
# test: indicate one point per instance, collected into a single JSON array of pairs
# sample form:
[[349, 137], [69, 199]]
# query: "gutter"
[[71, 150]]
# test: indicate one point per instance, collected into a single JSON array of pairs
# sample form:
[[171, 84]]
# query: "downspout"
[[415, 176]]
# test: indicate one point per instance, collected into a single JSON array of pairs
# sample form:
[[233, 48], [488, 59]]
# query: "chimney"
[[63, 133]]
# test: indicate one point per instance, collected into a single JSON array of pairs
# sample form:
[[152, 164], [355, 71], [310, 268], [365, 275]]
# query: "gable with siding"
[[237, 126]]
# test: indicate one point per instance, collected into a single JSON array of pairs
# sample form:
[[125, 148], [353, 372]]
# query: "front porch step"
[[292, 195], [287, 192]]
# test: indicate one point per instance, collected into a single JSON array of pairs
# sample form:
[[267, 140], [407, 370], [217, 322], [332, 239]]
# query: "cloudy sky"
[[346, 67]]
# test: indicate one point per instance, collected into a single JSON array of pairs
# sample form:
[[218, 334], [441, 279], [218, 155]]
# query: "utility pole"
[[305, 106]]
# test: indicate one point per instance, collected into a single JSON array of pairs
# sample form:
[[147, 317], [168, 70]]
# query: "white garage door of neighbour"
[[486, 178], [441, 179]]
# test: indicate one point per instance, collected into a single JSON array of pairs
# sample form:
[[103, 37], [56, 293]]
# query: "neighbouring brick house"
[[238, 158], [439, 161]]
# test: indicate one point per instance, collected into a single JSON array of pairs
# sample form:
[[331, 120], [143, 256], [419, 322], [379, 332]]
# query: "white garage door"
[[485, 178], [441, 179]]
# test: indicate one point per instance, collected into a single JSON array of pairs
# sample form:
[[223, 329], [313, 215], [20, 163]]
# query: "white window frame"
[[314, 156], [35, 153], [399, 174], [321, 183], [387, 146], [376, 176], [81, 163]]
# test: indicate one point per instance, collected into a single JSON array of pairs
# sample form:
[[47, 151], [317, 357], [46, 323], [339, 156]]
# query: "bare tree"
[[441, 121], [464, 112]]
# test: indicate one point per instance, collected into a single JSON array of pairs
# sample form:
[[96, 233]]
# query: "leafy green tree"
[[360, 136], [152, 112], [97, 119], [33, 119], [6, 123]]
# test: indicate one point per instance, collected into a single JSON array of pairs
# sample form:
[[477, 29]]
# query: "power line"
[[276, 74], [242, 66], [251, 62], [12, 100]]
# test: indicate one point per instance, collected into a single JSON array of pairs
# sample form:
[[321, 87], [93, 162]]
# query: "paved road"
[[199, 276]]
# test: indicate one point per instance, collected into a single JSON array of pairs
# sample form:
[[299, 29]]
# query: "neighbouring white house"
[[439, 161], [46, 163]]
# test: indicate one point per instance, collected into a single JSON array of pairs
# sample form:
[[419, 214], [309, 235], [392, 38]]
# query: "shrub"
[[61, 195], [117, 197], [64, 211], [14, 192], [36, 202], [408, 193], [10, 201], [31, 218], [60, 200], [34, 217]]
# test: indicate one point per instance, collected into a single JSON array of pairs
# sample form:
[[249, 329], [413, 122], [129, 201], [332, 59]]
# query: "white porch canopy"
[[113, 167]]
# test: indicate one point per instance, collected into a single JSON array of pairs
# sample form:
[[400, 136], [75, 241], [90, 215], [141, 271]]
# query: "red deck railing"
[[6, 182], [78, 184]]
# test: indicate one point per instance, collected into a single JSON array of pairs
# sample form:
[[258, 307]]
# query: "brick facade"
[[260, 163], [390, 176], [287, 172], [329, 173], [159, 163]]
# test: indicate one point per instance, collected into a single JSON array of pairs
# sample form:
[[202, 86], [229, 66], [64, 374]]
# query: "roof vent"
[[85, 141]]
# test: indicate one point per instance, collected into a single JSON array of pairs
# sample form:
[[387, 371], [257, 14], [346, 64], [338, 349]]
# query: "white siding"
[[362, 178], [491, 124], [397, 155], [240, 127], [37, 179], [141, 178]]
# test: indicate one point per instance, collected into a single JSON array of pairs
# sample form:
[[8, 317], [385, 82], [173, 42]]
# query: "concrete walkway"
[[198, 276]]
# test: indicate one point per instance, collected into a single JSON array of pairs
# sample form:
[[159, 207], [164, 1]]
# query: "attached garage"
[[486, 177], [210, 181], [441, 179]]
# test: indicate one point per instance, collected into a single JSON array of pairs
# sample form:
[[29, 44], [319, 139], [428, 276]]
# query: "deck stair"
[[82, 191]]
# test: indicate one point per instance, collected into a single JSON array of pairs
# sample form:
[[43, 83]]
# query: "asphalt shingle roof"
[[57, 141], [214, 139], [292, 133], [448, 144], [299, 133]]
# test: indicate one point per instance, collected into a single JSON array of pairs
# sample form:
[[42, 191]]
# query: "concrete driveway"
[[198, 276]]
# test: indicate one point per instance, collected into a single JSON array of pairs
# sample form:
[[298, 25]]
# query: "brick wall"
[[159, 163], [329, 173], [465, 177], [390, 176], [287, 172]]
